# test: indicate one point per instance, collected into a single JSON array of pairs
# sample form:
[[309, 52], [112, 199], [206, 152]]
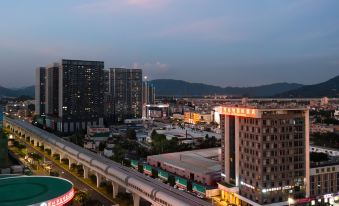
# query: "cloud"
[[155, 68], [147, 3], [221, 29], [121, 6], [293, 7], [334, 62], [25, 46]]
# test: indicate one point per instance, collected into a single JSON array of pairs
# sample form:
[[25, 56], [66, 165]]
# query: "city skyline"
[[219, 42]]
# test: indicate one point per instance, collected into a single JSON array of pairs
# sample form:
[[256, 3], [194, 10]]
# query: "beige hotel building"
[[265, 155]]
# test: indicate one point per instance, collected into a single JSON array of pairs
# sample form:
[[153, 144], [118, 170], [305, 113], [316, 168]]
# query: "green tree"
[[119, 153], [318, 157], [142, 151], [140, 168], [189, 185], [54, 173], [74, 166], [154, 173], [209, 142], [171, 180], [65, 161], [77, 138], [35, 157], [131, 134], [31, 107], [158, 143], [81, 197], [23, 98], [153, 134], [325, 139], [93, 202], [48, 151], [93, 178], [102, 146], [41, 147], [79, 169], [56, 156]]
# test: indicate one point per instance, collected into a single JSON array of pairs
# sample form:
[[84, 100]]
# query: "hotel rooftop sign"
[[238, 111]]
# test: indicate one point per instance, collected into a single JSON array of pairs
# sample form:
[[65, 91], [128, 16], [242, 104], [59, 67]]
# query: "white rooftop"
[[196, 160]]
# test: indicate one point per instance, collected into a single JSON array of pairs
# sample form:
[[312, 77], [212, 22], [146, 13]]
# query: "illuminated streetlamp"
[[290, 201]]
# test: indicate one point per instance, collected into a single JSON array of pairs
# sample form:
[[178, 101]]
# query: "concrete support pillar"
[[99, 179], [136, 199], [62, 156], [52, 151], [35, 143], [70, 162], [86, 170], [115, 189]]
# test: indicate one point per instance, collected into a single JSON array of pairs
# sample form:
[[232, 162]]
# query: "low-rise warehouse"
[[202, 166]]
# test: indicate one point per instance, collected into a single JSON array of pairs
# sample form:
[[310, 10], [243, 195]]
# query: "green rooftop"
[[227, 184], [31, 190], [101, 134]]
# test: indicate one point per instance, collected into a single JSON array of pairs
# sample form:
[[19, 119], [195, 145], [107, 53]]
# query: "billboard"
[[94, 130], [147, 169], [163, 175], [134, 164], [181, 182], [238, 111], [59, 201], [198, 188]]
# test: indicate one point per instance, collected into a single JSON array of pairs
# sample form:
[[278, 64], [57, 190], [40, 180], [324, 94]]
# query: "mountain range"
[[329, 88], [171, 87], [25, 91]]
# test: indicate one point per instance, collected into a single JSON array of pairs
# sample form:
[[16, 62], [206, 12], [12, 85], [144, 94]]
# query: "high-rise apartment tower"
[[81, 93], [52, 90], [125, 89], [40, 85]]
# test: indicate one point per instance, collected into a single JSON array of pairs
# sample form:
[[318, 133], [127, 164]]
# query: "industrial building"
[[202, 166]]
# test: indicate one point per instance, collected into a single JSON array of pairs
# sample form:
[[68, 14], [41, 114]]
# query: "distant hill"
[[329, 88], [170, 87], [25, 91], [5, 91]]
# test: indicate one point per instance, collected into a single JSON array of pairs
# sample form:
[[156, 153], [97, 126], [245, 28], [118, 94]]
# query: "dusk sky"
[[219, 42]]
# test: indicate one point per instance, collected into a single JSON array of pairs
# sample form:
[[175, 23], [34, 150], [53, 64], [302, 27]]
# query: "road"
[[69, 176]]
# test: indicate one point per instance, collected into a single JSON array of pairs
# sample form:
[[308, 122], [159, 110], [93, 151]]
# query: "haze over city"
[[169, 103], [225, 43]]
